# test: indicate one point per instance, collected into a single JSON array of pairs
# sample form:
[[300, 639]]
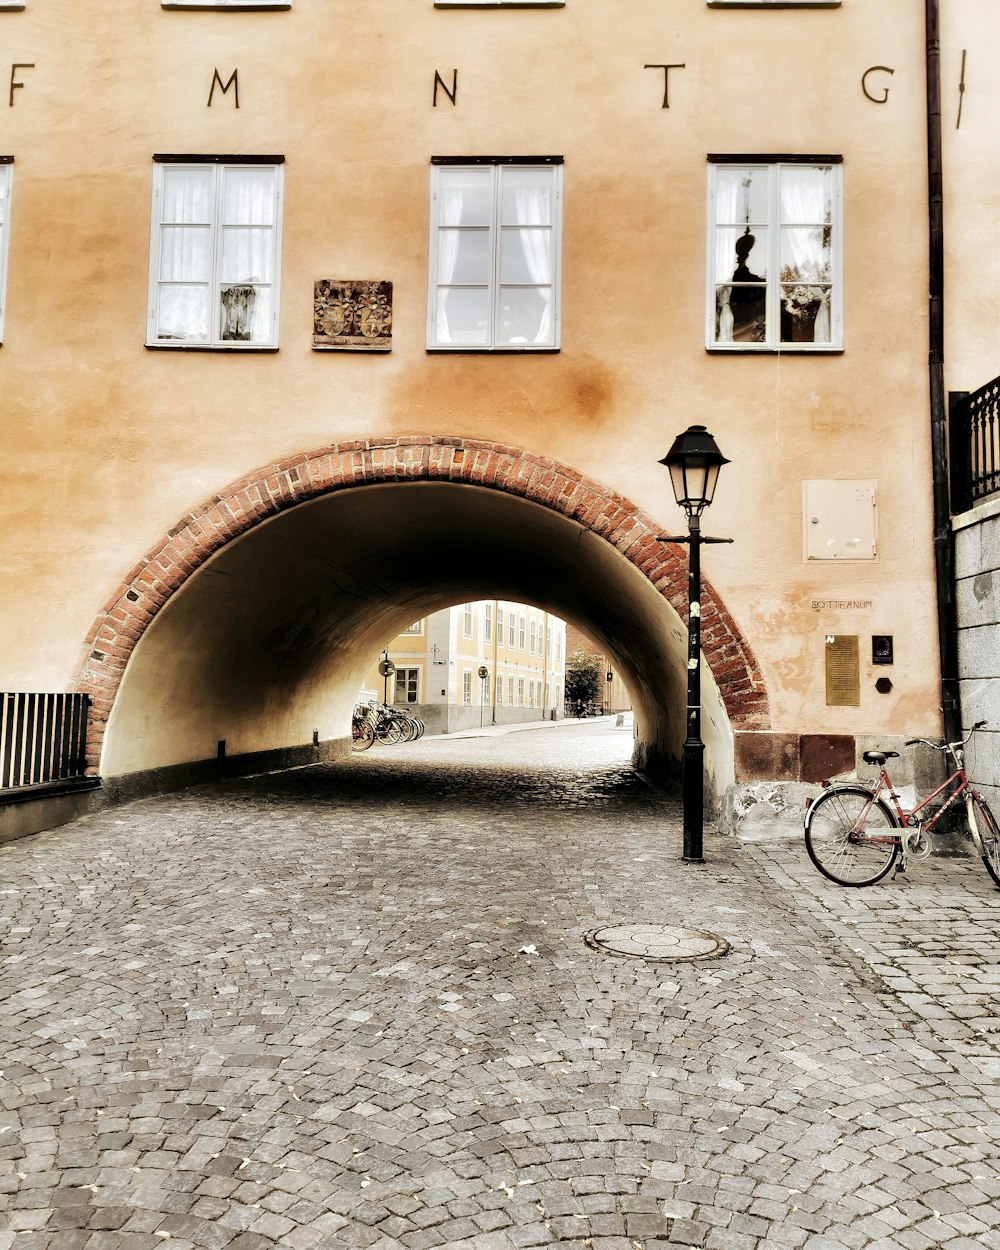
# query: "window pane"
[[245, 313], [188, 194], [805, 314], [182, 313], [249, 197], [526, 255], [740, 257], [464, 256], [3, 196], [247, 254], [463, 315], [185, 253], [526, 196], [740, 314], [525, 316], [807, 194], [806, 254], [465, 196], [741, 195]]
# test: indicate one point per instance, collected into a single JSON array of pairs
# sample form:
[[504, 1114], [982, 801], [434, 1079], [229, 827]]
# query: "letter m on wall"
[[233, 82]]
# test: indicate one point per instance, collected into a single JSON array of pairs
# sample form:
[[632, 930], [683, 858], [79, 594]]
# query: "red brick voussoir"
[[492, 466]]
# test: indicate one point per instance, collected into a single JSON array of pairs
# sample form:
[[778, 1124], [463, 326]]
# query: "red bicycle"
[[855, 832]]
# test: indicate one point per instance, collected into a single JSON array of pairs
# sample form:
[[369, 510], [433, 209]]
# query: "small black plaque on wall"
[[881, 648]]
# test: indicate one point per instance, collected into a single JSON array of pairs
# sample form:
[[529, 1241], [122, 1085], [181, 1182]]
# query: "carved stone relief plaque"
[[352, 316]]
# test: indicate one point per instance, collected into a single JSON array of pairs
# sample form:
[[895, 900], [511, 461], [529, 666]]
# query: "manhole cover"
[[657, 942]]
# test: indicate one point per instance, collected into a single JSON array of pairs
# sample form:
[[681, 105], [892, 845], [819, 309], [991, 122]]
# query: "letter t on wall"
[[666, 79]]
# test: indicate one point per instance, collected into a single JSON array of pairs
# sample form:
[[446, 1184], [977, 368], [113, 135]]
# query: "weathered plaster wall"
[[969, 31], [977, 559], [106, 445]]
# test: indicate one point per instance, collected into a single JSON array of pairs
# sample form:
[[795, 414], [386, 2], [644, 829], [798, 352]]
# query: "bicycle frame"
[[910, 826], [908, 819]]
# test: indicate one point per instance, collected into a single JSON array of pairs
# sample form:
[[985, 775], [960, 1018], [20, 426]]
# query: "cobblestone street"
[[351, 1006]]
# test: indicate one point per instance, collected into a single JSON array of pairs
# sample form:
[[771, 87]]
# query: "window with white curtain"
[[775, 255], [214, 253], [467, 686], [494, 255], [5, 185]]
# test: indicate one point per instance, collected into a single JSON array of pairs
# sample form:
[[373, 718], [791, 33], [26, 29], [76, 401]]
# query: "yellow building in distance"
[[492, 662]]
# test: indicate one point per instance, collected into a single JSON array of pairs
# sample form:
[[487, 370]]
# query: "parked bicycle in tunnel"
[[383, 723]]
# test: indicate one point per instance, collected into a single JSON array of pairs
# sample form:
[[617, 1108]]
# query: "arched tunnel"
[[267, 640]]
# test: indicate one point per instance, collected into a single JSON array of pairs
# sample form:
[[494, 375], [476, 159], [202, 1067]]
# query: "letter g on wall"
[[884, 90]]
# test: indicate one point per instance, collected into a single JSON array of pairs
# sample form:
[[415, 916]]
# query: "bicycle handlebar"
[[947, 746]]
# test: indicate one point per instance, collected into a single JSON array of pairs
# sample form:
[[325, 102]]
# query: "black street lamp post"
[[694, 462]]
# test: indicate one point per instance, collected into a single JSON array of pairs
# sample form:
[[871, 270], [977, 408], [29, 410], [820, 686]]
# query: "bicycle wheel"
[[388, 732], [362, 735], [850, 836], [983, 823]]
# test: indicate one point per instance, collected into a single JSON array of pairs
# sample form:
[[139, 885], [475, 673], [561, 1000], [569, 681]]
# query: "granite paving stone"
[[351, 1006]]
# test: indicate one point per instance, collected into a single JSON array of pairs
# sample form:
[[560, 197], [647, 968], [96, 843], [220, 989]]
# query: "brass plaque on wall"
[[352, 316], [843, 671]]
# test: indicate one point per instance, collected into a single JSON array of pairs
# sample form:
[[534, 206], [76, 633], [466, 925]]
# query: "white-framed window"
[[467, 686], [416, 628], [531, 694], [6, 181], [485, 689], [520, 632], [775, 255], [467, 621], [510, 691], [488, 623], [216, 239], [520, 692], [407, 685], [512, 625], [499, 625], [494, 255], [499, 690], [534, 636]]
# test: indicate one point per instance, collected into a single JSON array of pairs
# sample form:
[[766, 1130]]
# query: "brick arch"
[[276, 487]]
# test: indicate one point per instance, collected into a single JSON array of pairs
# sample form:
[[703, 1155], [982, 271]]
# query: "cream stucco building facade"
[[318, 319], [492, 662]]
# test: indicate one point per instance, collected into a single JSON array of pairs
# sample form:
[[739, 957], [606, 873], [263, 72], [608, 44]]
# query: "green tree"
[[583, 677]]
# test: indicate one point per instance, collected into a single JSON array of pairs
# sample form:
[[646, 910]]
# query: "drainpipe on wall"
[[944, 543]]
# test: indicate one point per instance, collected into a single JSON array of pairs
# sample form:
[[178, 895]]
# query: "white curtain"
[[185, 253], [806, 203], [449, 214], [532, 208]]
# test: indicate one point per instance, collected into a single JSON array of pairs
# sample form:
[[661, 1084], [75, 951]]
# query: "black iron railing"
[[43, 739], [974, 444]]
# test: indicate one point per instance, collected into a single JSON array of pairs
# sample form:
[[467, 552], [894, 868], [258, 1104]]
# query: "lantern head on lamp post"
[[694, 462]]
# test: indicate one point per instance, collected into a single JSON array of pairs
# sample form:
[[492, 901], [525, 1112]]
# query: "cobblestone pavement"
[[350, 1007]]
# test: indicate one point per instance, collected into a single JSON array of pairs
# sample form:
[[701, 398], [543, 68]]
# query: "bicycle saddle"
[[879, 757]]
